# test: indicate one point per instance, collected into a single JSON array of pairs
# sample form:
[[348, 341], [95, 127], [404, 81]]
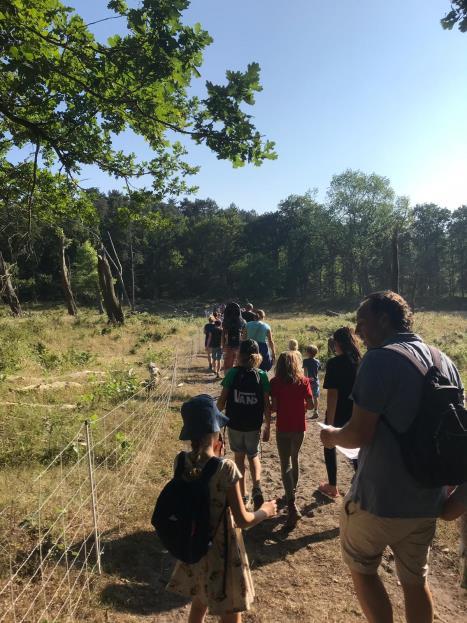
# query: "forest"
[[361, 238], [67, 94]]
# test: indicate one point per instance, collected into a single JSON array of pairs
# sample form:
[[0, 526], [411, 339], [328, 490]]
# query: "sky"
[[364, 84]]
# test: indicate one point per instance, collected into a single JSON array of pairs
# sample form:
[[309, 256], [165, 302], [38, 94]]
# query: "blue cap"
[[201, 417]]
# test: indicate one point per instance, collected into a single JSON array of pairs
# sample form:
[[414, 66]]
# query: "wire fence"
[[53, 555]]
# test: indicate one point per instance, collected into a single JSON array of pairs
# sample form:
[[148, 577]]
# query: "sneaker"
[[313, 416], [257, 497]]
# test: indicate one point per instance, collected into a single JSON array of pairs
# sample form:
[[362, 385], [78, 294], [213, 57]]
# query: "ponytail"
[[253, 360]]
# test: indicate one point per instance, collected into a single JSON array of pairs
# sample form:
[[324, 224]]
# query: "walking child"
[[208, 327], [214, 343], [245, 397], [311, 365], [220, 581], [293, 347], [291, 397]]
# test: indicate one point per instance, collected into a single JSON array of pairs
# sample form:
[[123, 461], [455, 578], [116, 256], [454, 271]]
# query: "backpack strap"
[[397, 348], [210, 468], [436, 357], [179, 465]]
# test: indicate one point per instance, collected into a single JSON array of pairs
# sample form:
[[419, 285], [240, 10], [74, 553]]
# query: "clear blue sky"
[[364, 84]]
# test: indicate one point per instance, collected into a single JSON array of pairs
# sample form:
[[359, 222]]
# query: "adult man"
[[385, 506], [248, 314]]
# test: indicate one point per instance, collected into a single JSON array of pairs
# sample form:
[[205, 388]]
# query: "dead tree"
[[65, 276], [7, 290], [112, 305]]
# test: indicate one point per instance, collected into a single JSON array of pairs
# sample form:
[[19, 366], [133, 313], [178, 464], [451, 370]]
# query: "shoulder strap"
[[397, 348], [436, 357], [210, 468], [179, 465]]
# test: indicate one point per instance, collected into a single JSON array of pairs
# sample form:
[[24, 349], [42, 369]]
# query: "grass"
[[100, 367]]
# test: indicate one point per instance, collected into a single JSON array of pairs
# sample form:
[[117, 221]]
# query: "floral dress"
[[205, 579]]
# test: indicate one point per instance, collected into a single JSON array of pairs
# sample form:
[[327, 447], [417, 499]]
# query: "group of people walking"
[[370, 401], [226, 329]]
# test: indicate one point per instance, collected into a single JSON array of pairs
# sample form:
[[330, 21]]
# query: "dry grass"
[[300, 567]]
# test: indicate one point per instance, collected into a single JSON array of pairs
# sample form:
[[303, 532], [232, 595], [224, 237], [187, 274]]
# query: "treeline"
[[361, 238]]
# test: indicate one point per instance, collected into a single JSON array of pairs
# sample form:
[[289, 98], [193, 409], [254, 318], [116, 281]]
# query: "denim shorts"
[[216, 353], [315, 387], [245, 442]]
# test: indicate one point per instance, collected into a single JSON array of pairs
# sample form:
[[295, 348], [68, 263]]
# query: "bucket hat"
[[201, 417]]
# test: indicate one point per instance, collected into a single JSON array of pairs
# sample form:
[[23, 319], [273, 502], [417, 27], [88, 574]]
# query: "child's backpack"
[[434, 447], [181, 514], [245, 400]]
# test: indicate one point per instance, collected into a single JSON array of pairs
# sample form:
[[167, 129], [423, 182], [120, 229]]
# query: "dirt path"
[[298, 574]]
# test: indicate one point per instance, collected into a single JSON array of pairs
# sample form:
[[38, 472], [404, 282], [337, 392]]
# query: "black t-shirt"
[[216, 335], [340, 375], [207, 330], [249, 316], [234, 333]]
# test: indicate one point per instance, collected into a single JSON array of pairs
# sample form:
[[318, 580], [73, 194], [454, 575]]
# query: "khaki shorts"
[[365, 536], [245, 442]]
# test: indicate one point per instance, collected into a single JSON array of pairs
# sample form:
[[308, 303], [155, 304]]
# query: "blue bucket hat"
[[201, 417]]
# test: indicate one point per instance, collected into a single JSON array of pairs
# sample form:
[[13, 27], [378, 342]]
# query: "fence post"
[[92, 484]]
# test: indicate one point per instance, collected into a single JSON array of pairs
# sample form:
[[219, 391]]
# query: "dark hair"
[[232, 316], [392, 304], [248, 356], [345, 337]]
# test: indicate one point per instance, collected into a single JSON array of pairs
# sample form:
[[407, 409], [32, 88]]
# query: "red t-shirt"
[[291, 404]]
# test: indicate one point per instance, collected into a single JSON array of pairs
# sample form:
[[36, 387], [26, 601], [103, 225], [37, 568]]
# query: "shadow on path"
[[142, 569]]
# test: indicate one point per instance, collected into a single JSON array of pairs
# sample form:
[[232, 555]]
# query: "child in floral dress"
[[221, 581]]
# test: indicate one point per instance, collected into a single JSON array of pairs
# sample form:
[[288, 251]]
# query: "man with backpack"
[[246, 399], [409, 421]]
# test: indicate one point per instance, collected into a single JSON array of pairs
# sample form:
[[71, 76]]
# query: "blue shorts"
[[315, 387], [245, 442], [216, 353]]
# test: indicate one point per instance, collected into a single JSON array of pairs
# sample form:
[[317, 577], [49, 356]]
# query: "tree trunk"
[[7, 290], [395, 265], [112, 305], [65, 275]]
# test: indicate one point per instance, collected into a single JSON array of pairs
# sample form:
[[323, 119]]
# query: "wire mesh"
[[52, 554]]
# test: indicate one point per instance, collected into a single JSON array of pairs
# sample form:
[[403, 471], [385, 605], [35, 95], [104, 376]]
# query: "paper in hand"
[[350, 453]]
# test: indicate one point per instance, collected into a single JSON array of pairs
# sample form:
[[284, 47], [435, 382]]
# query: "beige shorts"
[[365, 536]]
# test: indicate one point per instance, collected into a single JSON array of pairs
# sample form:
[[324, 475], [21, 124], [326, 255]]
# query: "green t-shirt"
[[228, 380]]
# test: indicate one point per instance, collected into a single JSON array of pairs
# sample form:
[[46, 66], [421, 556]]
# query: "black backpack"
[[181, 515], [434, 448], [245, 401]]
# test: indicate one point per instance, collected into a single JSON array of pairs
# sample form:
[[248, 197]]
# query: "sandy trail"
[[298, 575]]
